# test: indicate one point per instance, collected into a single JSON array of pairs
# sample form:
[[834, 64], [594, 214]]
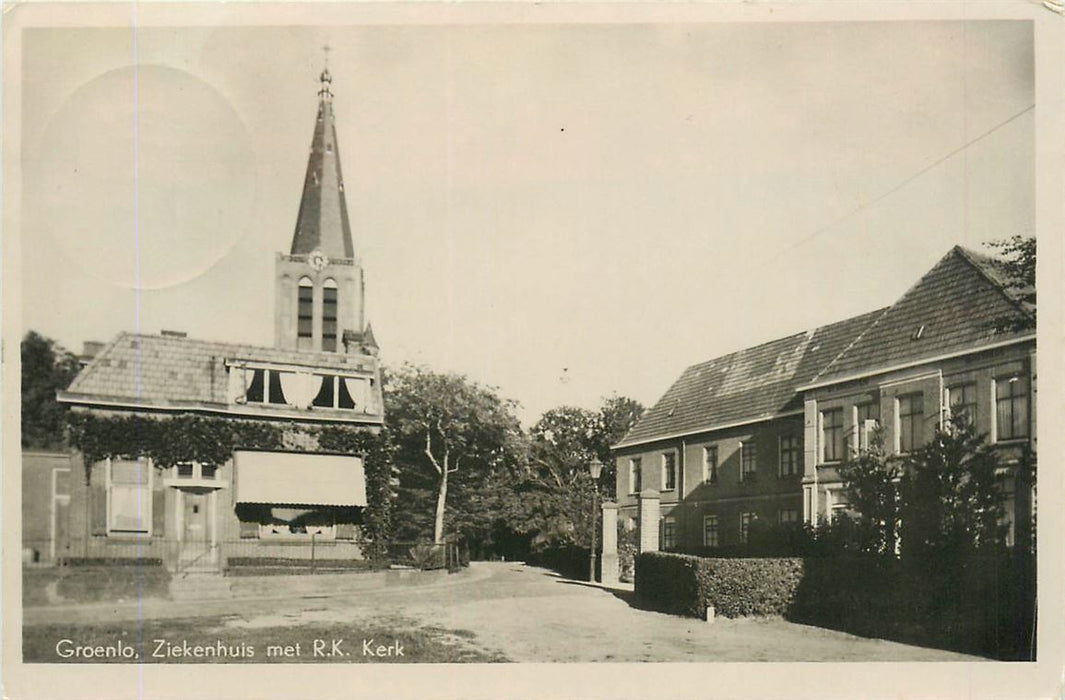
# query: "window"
[[789, 516], [129, 508], [745, 525], [1011, 408], [265, 387], [911, 422], [790, 455], [634, 474], [962, 402], [329, 316], [335, 392], [868, 411], [305, 314], [832, 435], [863, 414], [669, 471], [195, 470], [710, 464], [669, 532], [710, 531], [748, 461]]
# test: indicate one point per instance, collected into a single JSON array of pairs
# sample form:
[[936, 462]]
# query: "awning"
[[299, 478]]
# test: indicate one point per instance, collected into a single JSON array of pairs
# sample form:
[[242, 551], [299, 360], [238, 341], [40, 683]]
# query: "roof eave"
[[841, 379], [243, 411], [705, 429]]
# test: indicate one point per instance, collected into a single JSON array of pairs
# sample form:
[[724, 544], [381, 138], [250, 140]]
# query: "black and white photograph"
[[444, 341]]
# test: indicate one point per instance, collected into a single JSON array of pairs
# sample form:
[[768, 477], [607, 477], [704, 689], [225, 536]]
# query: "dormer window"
[[299, 388]]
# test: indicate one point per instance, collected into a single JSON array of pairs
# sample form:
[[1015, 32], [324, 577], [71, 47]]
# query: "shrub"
[[686, 584]]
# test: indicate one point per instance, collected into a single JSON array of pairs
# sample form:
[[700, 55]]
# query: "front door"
[[195, 532]]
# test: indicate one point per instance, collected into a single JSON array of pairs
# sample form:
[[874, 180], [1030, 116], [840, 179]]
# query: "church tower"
[[319, 283]]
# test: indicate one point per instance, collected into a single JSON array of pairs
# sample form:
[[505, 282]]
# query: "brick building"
[[322, 370], [758, 434]]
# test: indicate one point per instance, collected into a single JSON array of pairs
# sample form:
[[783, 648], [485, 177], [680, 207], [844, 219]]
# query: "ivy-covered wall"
[[212, 440]]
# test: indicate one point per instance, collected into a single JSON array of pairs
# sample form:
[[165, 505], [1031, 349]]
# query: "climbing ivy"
[[212, 440]]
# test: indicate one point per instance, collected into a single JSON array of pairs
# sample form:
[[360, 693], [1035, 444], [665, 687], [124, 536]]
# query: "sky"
[[561, 211]]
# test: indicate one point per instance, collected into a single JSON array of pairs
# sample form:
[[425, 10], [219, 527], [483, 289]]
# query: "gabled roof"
[[958, 305], [322, 222], [175, 372], [745, 386]]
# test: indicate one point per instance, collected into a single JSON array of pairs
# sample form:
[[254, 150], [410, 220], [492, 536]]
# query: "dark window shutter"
[[159, 513], [98, 509]]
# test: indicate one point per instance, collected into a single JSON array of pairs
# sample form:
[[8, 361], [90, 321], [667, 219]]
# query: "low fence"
[[246, 556]]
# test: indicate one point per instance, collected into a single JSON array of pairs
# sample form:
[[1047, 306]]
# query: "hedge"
[[980, 603], [686, 584]]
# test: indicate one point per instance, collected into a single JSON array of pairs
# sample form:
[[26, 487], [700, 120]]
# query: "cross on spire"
[[325, 92]]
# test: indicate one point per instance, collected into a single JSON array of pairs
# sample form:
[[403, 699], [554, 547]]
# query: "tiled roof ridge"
[[728, 358], [976, 260], [752, 348], [221, 344], [887, 310]]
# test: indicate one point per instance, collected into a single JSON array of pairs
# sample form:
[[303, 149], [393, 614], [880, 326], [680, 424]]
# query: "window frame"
[[782, 511], [635, 475], [973, 405], [837, 442], [1012, 398], [909, 418], [746, 518], [667, 457], [795, 451], [148, 487], [707, 520], [330, 341], [669, 532], [304, 341], [710, 464], [748, 458]]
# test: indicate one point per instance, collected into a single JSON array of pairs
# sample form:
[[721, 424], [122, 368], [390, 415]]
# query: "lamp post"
[[595, 467]]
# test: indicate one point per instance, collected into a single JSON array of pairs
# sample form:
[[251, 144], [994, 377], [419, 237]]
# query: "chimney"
[[174, 334], [90, 349]]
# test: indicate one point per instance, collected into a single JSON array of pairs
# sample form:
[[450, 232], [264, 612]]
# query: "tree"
[[617, 416], [1018, 264], [871, 486], [449, 431], [951, 494], [944, 498], [46, 369], [557, 492]]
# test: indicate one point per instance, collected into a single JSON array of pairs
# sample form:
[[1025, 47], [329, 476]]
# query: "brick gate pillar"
[[649, 515], [609, 563]]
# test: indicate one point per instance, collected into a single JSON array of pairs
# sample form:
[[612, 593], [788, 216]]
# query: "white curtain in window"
[[131, 508], [359, 390], [239, 381], [300, 388]]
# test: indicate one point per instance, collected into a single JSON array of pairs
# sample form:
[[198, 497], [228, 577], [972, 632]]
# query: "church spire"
[[322, 224]]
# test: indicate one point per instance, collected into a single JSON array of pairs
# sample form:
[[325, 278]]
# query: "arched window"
[[329, 315], [305, 319]]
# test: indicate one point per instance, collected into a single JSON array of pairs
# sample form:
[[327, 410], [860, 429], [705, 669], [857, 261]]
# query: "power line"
[[902, 184]]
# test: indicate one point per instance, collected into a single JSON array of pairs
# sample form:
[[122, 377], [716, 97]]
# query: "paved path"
[[531, 614]]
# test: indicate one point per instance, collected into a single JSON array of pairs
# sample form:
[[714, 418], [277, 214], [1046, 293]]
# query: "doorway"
[[196, 530]]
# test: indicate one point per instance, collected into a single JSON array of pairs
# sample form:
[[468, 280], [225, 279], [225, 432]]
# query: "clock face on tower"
[[318, 260]]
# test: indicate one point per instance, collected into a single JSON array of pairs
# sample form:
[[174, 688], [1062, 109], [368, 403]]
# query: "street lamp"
[[595, 468]]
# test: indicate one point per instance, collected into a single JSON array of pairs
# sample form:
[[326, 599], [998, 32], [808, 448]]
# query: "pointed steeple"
[[322, 223], [368, 341]]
